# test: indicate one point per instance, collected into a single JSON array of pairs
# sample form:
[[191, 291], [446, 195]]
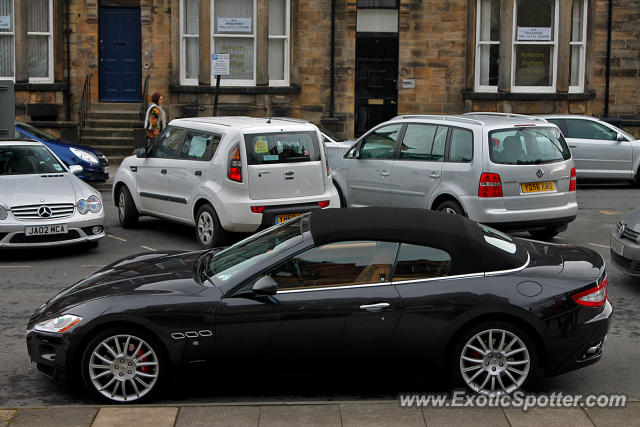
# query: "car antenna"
[[269, 120]]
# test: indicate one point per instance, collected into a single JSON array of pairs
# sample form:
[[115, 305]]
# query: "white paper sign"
[[234, 25], [408, 83], [198, 146], [220, 64], [534, 33], [5, 22]]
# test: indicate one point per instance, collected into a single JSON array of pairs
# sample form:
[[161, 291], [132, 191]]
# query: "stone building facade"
[[347, 64]]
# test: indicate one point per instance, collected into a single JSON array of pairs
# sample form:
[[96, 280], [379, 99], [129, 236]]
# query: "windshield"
[[37, 132], [283, 147], [331, 134], [527, 145], [27, 159], [233, 260]]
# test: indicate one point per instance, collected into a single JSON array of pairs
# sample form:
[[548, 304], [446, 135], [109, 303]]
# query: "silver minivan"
[[509, 171]]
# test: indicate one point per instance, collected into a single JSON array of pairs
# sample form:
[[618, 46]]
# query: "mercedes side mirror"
[[75, 169], [141, 153], [620, 137], [265, 286]]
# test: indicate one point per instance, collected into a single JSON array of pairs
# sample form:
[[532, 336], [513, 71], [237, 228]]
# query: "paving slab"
[[121, 416], [54, 417], [463, 417], [610, 417], [379, 415], [5, 416], [546, 417], [231, 416], [300, 415]]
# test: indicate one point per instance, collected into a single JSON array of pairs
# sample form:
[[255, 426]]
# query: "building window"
[[7, 63], [40, 40], [487, 45], [578, 45], [279, 42], [189, 42], [534, 46]]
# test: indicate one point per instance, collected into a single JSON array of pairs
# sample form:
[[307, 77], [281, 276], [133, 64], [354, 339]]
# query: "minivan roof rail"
[[441, 117], [513, 115]]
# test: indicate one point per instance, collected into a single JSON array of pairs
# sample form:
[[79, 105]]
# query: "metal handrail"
[[145, 97], [85, 103]]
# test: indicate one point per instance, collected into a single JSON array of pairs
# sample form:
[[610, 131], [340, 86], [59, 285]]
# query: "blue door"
[[120, 69]]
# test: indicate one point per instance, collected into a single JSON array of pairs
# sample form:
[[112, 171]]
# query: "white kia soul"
[[226, 174]]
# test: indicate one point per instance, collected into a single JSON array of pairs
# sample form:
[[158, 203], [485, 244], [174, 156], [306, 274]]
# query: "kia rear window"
[[283, 147], [527, 145]]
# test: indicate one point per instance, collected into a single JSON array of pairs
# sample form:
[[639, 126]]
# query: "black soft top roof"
[[462, 238]]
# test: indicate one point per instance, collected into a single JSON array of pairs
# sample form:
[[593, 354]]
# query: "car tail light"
[[594, 297], [324, 203], [257, 209], [490, 185], [573, 181], [235, 166]]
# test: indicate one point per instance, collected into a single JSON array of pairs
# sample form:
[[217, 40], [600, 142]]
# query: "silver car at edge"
[[625, 244], [42, 202], [509, 171], [600, 150]]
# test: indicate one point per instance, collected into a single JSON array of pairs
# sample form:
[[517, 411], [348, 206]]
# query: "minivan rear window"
[[527, 145], [282, 147]]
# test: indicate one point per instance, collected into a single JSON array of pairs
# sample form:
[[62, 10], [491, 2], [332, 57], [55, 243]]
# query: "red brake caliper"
[[144, 368]]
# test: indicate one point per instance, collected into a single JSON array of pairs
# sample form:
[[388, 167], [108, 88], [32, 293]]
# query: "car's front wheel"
[[127, 211], [122, 366], [494, 358], [450, 206], [209, 232]]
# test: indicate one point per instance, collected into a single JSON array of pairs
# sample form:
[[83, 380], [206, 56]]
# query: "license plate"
[[537, 187], [286, 217], [617, 247], [106, 169], [45, 230]]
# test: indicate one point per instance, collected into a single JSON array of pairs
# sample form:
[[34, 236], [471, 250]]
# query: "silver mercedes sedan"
[[42, 202]]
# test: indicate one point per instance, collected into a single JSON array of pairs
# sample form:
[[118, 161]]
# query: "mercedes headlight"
[[83, 206], [84, 155], [58, 325], [3, 213], [94, 203]]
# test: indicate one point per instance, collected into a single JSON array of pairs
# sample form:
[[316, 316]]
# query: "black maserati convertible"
[[333, 286]]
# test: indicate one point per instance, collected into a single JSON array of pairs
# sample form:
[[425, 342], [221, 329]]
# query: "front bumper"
[[12, 232], [49, 352], [629, 261]]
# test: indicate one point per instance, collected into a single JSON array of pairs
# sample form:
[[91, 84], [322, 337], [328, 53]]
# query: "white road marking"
[[610, 212], [600, 246], [15, 266], [148, 248], [116, 237]]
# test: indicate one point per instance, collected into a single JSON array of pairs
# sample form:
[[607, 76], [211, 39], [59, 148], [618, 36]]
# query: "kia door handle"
[[384, 173], [434, 175], [163, 171], [375, 307], [198, 173]]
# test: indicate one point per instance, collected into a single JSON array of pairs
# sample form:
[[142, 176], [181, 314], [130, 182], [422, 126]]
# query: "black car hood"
[[148, 273]]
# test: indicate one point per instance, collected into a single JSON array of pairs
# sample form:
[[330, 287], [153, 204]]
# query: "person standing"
[[156, 119]]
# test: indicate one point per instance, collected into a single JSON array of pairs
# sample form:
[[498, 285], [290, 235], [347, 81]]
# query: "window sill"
[[510, 96], [35, 87], [237, 90]]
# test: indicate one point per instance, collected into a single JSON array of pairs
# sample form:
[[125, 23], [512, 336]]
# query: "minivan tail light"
[[573, 180], [594, 297], [324, 203], [235, 166], [490, 185]]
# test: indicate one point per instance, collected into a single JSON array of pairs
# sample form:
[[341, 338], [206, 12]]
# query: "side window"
[[421, 262], [439, 143], [167, 144], [337, 264], [379, 144], [417, 142], [199, 146], [461, 147], [587, 129]]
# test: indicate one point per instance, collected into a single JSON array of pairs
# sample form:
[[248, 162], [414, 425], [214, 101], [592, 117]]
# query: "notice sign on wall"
[[5, 22], [220, 64], [234, 25], [540, 34]]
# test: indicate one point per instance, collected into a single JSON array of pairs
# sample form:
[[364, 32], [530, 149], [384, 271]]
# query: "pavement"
[[369, 414]]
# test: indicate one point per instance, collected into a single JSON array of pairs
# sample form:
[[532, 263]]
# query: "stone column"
[[22, 51], [506, 45], [564, 47], [262, 43], [204, 32]]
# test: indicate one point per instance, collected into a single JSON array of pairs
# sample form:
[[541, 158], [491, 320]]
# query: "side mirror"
[[265, 286], [141, 153], [620, 137], [354, 153], [75, 169]]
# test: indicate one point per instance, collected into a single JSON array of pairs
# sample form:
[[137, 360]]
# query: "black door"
[[376, 79], [120, 69]]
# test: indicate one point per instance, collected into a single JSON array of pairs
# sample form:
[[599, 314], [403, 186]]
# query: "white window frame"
[[287, 50], [12, 35], [183, 49], [49, 34], [583, 51], [479, 44], [214, 35], [554, 53]]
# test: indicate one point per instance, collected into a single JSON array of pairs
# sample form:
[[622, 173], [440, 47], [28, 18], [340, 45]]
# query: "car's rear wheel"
[[122, 366], [450, 206], [494, 358], [544, 234], [209, 232], [127, 211]]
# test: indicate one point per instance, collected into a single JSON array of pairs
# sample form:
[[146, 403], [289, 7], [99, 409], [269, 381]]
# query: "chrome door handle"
[[375, 307], [434, 175], [384, 173]]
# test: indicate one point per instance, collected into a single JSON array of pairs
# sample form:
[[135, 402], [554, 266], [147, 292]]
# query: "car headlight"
[[59, 324], [84, 155], [83, 206], [3, 213], [94, 203]]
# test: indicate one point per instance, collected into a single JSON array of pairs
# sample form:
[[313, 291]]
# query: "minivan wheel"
[[127, 211], [544, 234], [209, 232], [451, 206]]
